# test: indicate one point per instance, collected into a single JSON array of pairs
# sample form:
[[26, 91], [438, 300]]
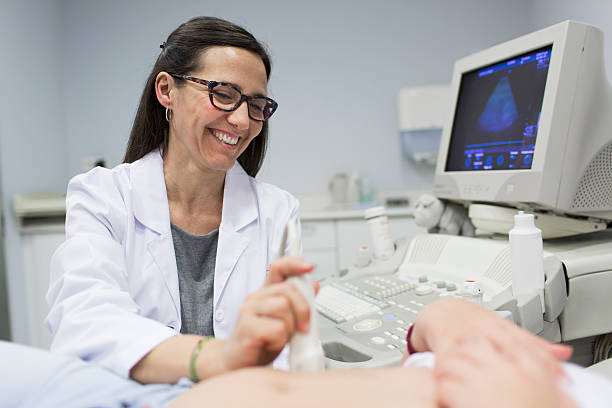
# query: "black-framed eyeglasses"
[[228, 98]]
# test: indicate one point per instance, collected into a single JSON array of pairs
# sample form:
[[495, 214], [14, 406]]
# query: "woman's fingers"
[[283, 301], [287, 266], [445, 322], [270, 332], [561, 352], [512, 342], [478, 374], [517, 344], [316, 286], [278, 308]]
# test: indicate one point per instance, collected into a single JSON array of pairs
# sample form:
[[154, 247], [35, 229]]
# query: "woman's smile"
[[225, 137]]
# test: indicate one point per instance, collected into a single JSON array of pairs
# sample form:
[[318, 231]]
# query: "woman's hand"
[[286, 267], [474, 374], [450, 324], [269, 317], [449, 321]]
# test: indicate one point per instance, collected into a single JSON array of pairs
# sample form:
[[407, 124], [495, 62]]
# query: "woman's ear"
[[163, 85]]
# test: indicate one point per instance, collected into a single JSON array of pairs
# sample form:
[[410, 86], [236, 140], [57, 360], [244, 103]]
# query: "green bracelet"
[[194, 356]]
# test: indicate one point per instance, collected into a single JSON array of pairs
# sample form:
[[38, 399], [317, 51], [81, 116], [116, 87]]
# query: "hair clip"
[[162, 45]]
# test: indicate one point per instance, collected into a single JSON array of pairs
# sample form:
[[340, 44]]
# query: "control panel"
[[365, 315]]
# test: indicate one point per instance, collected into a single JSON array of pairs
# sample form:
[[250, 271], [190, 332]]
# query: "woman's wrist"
[[409, 347], [430, 323], [415, 340], [209, 362], [194, 356]]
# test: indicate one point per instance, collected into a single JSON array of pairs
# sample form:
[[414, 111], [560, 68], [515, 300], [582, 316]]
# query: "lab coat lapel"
[[239, 210], [151, 209]]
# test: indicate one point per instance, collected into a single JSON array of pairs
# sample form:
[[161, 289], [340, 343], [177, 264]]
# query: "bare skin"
[[262, 387]]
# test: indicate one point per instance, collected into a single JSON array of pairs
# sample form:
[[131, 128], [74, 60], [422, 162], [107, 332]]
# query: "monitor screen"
[[497, 114]]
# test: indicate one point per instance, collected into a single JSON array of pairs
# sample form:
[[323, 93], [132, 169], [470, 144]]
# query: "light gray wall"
[[337, 68], [595, 12], [33, 151]]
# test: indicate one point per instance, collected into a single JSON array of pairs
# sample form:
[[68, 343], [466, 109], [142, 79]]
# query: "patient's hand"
[[447, 322], [476, 375]]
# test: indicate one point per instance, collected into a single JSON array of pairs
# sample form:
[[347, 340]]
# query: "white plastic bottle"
[[379, 230], [526, 257], [364, 257]]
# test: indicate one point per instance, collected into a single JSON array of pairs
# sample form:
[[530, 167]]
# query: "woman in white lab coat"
[[116, 295]]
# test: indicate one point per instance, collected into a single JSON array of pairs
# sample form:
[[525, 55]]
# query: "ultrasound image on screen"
[[498, 113]]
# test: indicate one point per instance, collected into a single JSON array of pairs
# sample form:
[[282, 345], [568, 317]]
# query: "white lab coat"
[[114, 293]]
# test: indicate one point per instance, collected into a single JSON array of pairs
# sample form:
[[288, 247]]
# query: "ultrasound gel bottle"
[[384, 248], [526, 257]]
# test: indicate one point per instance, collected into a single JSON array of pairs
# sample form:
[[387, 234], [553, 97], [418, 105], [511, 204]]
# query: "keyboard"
[[340, 304]]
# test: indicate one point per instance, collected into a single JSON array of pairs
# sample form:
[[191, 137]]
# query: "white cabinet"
[[38, 247], [319, 247], [41, 224]]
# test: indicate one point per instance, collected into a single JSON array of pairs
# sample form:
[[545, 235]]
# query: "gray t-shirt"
[[195, 260]]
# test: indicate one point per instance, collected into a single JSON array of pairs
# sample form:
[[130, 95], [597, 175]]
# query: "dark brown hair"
[[180, 55]]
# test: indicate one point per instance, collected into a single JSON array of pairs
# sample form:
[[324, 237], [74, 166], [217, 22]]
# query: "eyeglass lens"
[[226, 97]]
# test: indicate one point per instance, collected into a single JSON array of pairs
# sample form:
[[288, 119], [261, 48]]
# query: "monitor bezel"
[[544, 176]]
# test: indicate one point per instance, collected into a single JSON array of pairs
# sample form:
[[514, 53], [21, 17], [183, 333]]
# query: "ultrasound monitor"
[[530, 125], [498, 112]]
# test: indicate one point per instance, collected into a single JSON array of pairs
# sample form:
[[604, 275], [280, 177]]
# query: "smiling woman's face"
[[203, 135]]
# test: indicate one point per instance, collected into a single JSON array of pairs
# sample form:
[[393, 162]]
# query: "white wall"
[[33, 151]]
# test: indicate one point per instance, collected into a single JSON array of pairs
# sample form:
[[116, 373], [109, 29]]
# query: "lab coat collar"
[[239, 202], [150, 197], [151, 200], [239, 210]]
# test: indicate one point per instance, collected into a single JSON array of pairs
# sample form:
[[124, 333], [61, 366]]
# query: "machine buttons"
[[440, 284], [378, 340], [367, 325], [390, 317], [392, 346], [422, 279], [451, 287], [423, 290]]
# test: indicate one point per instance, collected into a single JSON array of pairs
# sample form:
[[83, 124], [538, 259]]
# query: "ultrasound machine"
[[529, 128]]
